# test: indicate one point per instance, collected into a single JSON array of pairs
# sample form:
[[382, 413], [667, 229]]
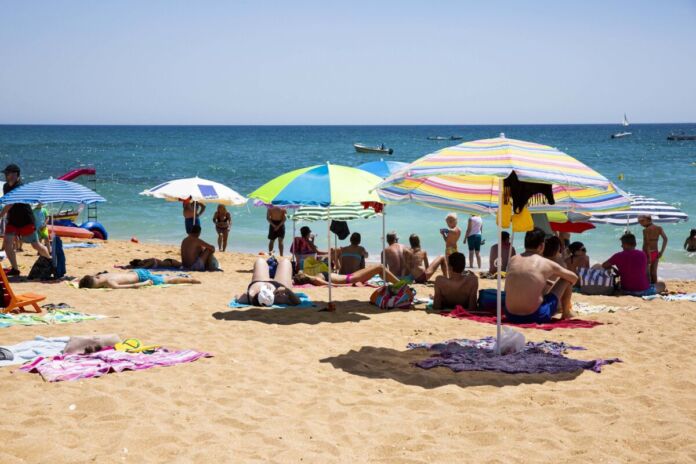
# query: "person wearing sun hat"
[[20, 221]]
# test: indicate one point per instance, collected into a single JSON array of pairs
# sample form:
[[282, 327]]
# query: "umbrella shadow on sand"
[[386, 363], [347, 311]]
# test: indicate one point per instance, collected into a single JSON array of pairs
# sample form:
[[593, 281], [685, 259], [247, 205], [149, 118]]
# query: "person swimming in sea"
[[131, 279], [690, 242]]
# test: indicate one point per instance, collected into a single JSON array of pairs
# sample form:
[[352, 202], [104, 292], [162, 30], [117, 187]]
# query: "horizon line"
[[342, 125]]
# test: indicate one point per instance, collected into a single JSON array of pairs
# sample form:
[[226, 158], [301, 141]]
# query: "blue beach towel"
[[79, 245], [305, 302]]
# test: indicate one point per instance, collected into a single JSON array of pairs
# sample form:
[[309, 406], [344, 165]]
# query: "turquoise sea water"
[[130, 159]]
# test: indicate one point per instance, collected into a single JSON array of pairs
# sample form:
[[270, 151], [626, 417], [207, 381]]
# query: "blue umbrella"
[[52, 191], [382, 168]]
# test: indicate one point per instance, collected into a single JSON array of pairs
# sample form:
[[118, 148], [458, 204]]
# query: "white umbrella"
[[198, 190]]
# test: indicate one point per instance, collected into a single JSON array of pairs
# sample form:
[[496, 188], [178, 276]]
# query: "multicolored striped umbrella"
[[466, 178], [320, 185], [658, 210]]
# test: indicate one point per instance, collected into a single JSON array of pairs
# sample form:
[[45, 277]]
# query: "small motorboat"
[[444, 137], [681, 137], [361, 148], [620, 135]]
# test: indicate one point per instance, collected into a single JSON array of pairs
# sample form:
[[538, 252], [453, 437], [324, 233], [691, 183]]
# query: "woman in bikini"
[[361, 276], [578, 257], [223, 223], [264, 291]]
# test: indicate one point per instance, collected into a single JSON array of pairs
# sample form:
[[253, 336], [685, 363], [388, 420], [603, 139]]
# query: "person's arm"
[[426, 262], [686, 242], [468, 229], [664, 242], [564, 273], [607, 264], [115, 285], [201, 209], [492, 256], [365, 253], [4, 211], [473, 294], [437, 298], [206, 245], [645, 242], [268, 216]]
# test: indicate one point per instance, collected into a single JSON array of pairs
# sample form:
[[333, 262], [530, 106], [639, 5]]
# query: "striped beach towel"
[[596, 281]]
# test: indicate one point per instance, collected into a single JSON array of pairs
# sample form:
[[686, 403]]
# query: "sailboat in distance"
[[620, 135]]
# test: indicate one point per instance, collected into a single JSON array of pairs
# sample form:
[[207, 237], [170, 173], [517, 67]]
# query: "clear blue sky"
[[352, 62]]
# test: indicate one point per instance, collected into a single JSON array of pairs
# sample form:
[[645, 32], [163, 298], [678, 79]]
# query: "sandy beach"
[[297, 385]]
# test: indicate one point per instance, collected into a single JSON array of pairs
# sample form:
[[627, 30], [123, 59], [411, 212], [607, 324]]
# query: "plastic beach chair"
[[18, 302]]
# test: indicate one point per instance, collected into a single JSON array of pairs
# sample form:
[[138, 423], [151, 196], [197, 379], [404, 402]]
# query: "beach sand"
[[297, 385]]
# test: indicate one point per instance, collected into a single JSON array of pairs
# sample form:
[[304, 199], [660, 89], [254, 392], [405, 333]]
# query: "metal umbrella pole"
[[499, 305], [331, 306], [384, 244]]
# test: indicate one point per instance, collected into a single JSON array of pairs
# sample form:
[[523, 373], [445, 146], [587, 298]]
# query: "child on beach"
[[451, 234], [40, 214], [223, 223]]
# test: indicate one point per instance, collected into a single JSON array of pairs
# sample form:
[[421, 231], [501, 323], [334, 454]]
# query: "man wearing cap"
[[20, 221]]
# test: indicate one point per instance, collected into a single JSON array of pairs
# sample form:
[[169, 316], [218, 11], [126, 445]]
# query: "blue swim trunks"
[[650, 291], [188, 223], [474, 242], [542, 315], [144, 274]]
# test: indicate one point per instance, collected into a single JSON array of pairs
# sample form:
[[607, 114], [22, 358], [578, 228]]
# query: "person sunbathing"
[[460, 288], [528, 299], [264, 291], [361, 276], [154, 263], [131, 279], [416, 262]]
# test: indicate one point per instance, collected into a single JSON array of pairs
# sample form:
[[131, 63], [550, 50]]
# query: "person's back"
[[460, 288], [394, 255], [353, 256], [504, 253], [190, 250], [632, 265]]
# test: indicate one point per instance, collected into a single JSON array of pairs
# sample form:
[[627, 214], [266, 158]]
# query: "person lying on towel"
[[132, 279], [528, 296], [264, 291], [154, 263], [460, 288], [361, 276]]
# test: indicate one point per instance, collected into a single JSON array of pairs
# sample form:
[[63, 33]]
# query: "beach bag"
[[312, 266], [393, 297], [522, 222], [596, 281], [42, 269], [272, 266], [488, 300]]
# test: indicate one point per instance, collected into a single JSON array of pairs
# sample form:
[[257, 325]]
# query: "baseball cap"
[[11, 168]]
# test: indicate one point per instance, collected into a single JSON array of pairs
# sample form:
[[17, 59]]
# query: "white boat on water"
[[620, 135], [362, 148]]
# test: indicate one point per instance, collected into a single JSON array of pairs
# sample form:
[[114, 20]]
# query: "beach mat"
[[461, 313], [30, 349], [79, 245], [83, 366], [305, 302]]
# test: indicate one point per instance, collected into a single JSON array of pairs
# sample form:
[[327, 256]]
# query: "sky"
[[352, 62]]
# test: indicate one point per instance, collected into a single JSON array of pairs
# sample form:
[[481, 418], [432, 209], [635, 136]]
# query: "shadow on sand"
[[347, 311], [385, 363]]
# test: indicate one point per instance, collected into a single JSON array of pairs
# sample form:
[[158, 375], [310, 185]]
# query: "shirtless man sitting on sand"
[[651, 237], [196, 254], [131, 279], [460, 288], [394, 255], [526, 297], [416, 264]]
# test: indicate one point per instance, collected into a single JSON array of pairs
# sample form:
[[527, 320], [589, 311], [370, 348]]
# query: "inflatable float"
[[73, 232]]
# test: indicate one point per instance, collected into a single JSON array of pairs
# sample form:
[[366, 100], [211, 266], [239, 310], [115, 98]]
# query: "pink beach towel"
[[83, 366], [461, 313]]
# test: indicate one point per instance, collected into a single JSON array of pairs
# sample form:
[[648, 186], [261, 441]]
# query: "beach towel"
[[488, 343], [461, 313], [59, 316], [460, 358], [83, 366], [30, 349], [80, 245], [305, 302], [676, 297], [586, 308]]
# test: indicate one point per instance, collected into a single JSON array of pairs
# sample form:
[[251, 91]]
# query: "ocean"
[[130, 159]]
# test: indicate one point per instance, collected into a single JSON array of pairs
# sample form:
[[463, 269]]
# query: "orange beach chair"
[[18, 302]]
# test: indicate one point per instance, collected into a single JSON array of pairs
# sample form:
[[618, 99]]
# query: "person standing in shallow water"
[[276, 228], [223, 223], [192, 212], [651, 238], [472, 238]]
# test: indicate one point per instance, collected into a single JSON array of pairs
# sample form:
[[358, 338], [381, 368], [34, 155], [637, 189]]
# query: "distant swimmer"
[[690, 242]]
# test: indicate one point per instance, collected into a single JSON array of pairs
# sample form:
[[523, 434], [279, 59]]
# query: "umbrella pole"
[[500, 265], [331, 306], [294, 252], [384, 244], [512, 241]]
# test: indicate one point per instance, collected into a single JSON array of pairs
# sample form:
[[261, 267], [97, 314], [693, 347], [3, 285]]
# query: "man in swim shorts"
[[394, 255], [196, 254], [528, 296], [632, 267], [132, 279], [20, 221], [192, 215], [276, 228], [651, 237], [472, 237]]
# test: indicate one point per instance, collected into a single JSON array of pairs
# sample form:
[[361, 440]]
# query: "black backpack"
[[42, 269]]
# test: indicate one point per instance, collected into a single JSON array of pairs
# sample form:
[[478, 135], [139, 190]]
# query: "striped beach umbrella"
[[337, 213], [658, 210], [52, 191], [382, 168], [470, 176]]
